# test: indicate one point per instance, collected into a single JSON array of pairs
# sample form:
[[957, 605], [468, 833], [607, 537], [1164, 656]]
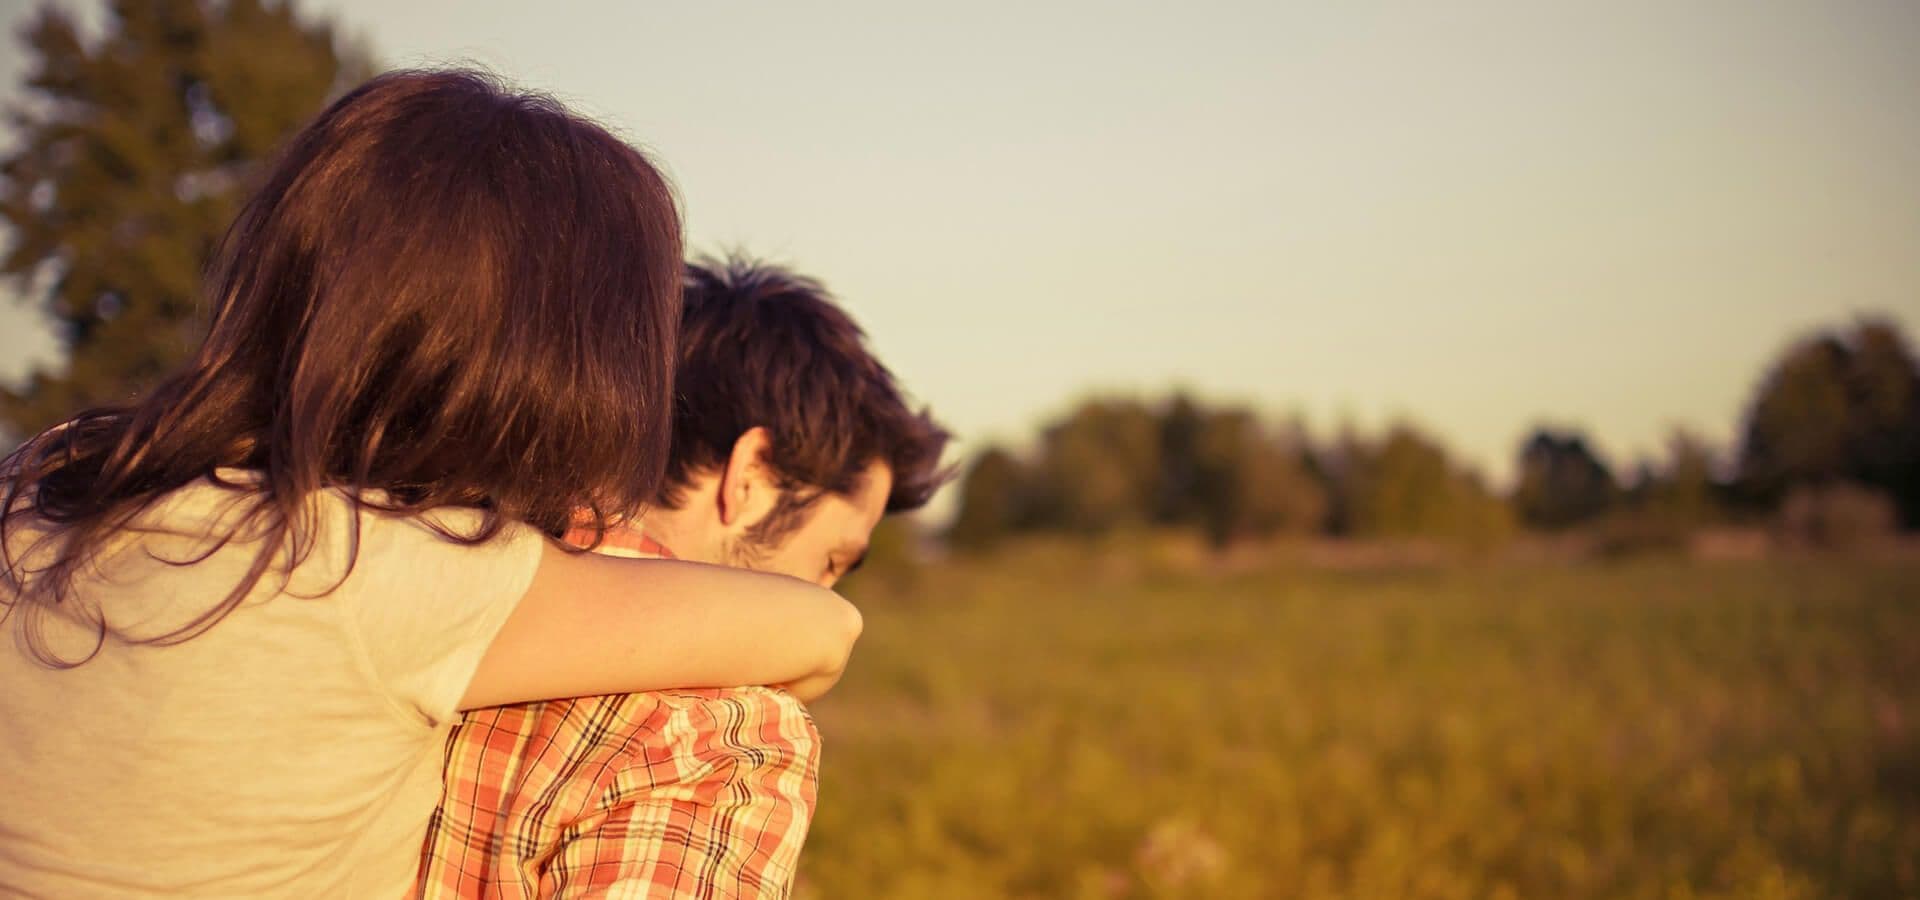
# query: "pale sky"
[[1474, 215]]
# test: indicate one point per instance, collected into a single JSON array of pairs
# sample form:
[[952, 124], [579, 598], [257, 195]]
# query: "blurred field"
[[1046, 727]]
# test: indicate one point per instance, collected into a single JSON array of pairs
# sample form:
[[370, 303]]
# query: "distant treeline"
[[135, 142], [1829, 452]]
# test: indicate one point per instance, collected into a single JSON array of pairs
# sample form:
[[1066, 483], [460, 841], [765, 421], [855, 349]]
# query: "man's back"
[[686, 793], [665, 794]]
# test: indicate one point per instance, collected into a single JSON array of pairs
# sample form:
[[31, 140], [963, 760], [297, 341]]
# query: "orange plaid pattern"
[[676, 794]]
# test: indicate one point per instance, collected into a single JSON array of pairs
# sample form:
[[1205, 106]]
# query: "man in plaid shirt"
[[790, 443]]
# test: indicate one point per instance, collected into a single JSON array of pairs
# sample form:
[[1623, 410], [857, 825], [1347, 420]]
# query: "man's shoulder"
[[587, 785], [769, 697], [757, 716], [646, 703], [772, 714]]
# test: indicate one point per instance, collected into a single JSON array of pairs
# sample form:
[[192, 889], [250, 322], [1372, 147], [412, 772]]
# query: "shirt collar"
[[621, 540]]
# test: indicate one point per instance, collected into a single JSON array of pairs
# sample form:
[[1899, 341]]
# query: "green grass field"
[[1043, 727]]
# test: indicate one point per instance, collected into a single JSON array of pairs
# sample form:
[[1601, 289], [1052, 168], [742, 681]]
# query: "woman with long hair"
[[241, 612]]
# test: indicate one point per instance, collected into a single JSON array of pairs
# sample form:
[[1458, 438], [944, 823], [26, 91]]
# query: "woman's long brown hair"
[[444, 294]]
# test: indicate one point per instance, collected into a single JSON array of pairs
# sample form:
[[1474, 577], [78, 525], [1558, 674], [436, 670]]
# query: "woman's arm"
[[593, 624]]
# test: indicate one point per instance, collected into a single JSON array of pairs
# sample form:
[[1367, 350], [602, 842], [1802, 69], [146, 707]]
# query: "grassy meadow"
[[1058, 723]]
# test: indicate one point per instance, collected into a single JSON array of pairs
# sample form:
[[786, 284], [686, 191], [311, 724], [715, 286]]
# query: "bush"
[[1642, 533], [1405, 485], [1836, 516]]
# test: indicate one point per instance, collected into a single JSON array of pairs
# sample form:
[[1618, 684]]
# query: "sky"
[[1476, 216]]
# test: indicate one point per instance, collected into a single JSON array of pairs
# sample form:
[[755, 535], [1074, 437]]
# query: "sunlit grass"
[[1037, 728]]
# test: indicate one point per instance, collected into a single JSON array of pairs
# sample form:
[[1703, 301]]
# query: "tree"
[[1405, 486], [1562, 483], [1248, 483], [1838, 408], [1667, 503], [1112, 463], [1884, 426], [1099, 468], [995, 497], [1683, 490], [135, 150], [1181, 423], [1797, 430]]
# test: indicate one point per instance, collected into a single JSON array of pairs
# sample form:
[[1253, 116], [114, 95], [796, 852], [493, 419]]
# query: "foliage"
[[1099, 467], [1112, 464], [1838, 407], [1405, 486], [1667, 504], [1836, 516], [994, 494], [1562, 483], [1247, 483], [1683, 490], [1641, 730], [134, 150]]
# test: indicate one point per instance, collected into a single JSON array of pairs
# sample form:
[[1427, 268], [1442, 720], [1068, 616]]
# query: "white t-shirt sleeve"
[[424, 608]]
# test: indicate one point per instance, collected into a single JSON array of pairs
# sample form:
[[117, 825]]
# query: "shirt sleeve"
[[424, 607], [718, 807]]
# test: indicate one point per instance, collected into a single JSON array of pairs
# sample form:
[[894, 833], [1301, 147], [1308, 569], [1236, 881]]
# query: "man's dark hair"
[[761, 346]]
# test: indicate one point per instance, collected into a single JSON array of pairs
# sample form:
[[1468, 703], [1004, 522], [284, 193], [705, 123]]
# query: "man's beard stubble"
[[745, 553]]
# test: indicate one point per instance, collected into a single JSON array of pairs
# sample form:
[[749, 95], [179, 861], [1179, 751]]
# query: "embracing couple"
[[440, 567]]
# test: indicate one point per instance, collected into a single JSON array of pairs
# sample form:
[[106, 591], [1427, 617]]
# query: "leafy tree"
[[1248, 483], [1403, 487], [1884, 429], [1182, 422], [1797, 430], [1667, 503], [1838, 408], [1111, 463], [1683, 490], [995, 496], [1406, 486], [1099, 468], [135, 148], [1562, 483]]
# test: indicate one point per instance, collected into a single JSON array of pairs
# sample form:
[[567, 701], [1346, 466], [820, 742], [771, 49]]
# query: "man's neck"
[[683, 534]]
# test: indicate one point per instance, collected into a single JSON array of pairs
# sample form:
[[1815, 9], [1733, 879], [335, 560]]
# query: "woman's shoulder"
[[331, 539], [235, 503]]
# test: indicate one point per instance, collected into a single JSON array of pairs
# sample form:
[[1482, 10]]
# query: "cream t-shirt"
[[292, 750]]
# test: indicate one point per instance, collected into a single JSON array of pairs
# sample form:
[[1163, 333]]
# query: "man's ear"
[[747, 491]]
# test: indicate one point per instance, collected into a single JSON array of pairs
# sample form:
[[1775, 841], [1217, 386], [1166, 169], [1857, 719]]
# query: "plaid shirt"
[[685, 793]]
